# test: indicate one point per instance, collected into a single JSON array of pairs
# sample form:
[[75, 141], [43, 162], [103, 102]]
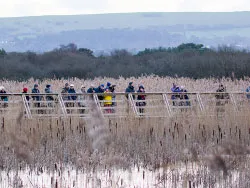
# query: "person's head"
[[67, 85], [174, 85], [92, 86], [1, 88], [130, 84], [102, 86], [108, 84], [36, 86], [82, 88], [141, 88], [48, 86], [25, 90], [107, 90], [71, 86]]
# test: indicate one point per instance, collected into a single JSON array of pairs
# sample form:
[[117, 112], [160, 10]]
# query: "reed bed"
[[182, 151], [152, 83]]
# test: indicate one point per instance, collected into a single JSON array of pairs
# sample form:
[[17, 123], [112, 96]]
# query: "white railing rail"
[[156, 103]]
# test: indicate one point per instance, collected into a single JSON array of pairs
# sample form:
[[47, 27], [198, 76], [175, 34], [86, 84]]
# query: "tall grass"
[[151, 83], [182, 151]]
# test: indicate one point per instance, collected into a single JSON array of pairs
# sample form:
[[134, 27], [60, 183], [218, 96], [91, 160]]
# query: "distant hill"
[[132, 31]]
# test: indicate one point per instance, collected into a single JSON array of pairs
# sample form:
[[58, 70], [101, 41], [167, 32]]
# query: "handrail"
[[131, 100], [119, 93]]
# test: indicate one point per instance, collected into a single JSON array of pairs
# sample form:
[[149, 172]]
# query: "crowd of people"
[[106, 95]]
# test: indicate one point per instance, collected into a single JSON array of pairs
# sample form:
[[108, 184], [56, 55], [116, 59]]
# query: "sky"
[[17, 8]]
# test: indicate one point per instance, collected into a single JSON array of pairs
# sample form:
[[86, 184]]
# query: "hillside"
[[133, 31]]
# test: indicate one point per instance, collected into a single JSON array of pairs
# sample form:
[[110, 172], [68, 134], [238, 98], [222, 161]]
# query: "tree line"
[[186, 60]]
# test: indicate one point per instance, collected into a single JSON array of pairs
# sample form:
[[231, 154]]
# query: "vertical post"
[[233, 101], [165, 99], [132, 103], [64, 111], [201, 105], [98, 104], [26, 106]]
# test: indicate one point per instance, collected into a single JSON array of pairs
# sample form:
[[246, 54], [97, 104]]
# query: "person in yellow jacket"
[[108, 100]]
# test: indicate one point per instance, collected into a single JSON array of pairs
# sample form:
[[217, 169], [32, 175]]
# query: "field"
[[127, 152], [151, 84]]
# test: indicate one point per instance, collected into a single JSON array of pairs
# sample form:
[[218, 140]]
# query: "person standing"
[[71, 93], [36, 98], [49, 98], [107, 100], [130, 89], [248, 92], [100, 90], [4, 98], [82, 99], [141, 99], [91, 89], [25, 90], [175, 89]]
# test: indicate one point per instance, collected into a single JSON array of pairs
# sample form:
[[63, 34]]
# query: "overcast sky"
[[13, 8]]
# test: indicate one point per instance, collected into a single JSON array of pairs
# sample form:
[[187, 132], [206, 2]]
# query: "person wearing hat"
[[82, 99], [248, 92], [175, 89], [100, 89], [72, 91], [91, 89], [141, 99], [36, 98], [64, 91], [25, 90], [49, 97], [3, 98], [107, 100], [108, 85], [184, 97], [130, 89], [223, 98]]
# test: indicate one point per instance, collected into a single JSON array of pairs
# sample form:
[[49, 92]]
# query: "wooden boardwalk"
[[124, 105]]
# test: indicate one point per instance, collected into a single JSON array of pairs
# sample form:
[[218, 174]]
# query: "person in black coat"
[[100, 89], [36, 98], [130, 89], [141, 99]]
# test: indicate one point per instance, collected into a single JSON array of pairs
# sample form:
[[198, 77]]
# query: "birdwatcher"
[[141, 99], [36, 98], [130, 89], [4, 99]]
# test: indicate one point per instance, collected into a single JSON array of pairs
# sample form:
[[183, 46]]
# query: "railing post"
[[26, 106], [64, 111], [132, 103], [165, 99], [233, 101], [200, 101]]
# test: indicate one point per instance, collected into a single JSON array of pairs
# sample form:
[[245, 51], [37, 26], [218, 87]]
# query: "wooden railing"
[[124, 104]]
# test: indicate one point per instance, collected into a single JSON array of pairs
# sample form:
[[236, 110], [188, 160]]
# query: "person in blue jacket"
[[3, 98], [248, 92], [72, 91], [130, 89], [175, 89], [100, 89], [91, 89], [36, 98]]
